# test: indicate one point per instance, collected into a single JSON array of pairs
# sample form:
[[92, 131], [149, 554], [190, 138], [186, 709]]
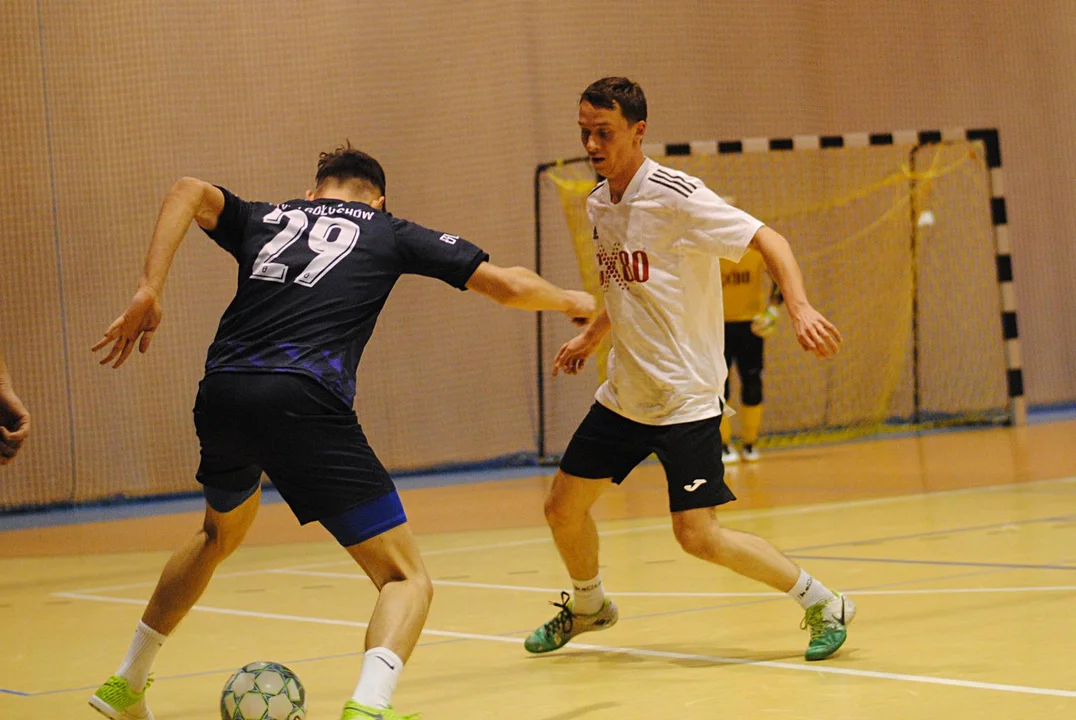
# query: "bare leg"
[[191, 566], [700, 534], [567, 510], [182, 582], [393, 563]]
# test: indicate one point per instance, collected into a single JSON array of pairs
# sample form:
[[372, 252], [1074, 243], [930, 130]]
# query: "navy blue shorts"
[[304, 438], [608, 445]]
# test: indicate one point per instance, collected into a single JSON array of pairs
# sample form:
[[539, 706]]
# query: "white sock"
[[589, 595], [381, 669], [807, 591], [144, 647]]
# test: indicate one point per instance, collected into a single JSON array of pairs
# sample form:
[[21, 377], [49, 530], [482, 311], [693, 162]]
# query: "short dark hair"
[[349, 163], [609, 92]]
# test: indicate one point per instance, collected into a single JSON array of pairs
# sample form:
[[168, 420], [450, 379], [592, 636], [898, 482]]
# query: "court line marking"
[[761, 513], [745, 515], [132, 586], [943, 563], [430, 643], [533, 589], [853, 591], [792, 552], [931, 533], [223, 672], [716, 659]]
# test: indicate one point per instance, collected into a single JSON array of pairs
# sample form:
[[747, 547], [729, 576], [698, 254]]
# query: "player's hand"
[[582, 306], [14, 424], [816, 334], [573, 354], [137, 323]]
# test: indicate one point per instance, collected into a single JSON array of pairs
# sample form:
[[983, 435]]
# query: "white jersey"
[[658, 253]]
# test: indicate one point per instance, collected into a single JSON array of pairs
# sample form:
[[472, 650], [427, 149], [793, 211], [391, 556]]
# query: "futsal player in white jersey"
[[659, 235]]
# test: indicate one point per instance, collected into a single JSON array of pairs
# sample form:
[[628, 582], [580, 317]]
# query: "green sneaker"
[[355, 711], [566, 624], [116, 700], [828, 622]]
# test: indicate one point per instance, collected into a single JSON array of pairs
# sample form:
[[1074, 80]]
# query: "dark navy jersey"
[[313, 277]]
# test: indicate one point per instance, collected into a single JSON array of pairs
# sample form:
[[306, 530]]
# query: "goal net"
[[897, 246]]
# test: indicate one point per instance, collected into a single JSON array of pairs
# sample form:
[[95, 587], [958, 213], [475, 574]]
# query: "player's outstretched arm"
[[189, 200], [521, 288], [814, 332], [14, 418], [573, 354]]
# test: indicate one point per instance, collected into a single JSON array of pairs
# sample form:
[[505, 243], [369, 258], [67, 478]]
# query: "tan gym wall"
[[105, 104]]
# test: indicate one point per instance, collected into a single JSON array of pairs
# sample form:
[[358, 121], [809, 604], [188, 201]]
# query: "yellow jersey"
[[744, 287]]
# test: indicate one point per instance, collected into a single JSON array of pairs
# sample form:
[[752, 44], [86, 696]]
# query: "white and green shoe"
[[567, 624], [116, 700], [355, 711], [828, 623]]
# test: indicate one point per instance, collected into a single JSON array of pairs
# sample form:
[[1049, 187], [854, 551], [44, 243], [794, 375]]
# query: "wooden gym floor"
[[959, 548]]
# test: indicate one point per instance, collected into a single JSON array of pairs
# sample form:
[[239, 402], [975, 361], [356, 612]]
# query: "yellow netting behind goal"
[[896, 246]]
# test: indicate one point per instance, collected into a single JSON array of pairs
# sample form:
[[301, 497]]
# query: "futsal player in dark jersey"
[[279, 388]]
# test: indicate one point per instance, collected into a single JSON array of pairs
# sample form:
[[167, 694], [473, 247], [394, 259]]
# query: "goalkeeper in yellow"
[[751, 301]]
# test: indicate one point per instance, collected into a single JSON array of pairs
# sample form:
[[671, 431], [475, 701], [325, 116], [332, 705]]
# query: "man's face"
[[610, 141]]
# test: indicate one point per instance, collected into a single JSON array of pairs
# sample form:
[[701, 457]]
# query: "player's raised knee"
[[419, 582], [699, 539], [221, 541]]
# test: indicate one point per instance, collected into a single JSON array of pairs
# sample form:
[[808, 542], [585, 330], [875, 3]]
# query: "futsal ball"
[[263, 691]]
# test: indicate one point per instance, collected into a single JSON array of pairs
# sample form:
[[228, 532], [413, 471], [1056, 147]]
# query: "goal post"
[[904, 243]]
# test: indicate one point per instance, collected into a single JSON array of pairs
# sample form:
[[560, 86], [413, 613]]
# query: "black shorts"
[[305, 439], [608, 445]]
